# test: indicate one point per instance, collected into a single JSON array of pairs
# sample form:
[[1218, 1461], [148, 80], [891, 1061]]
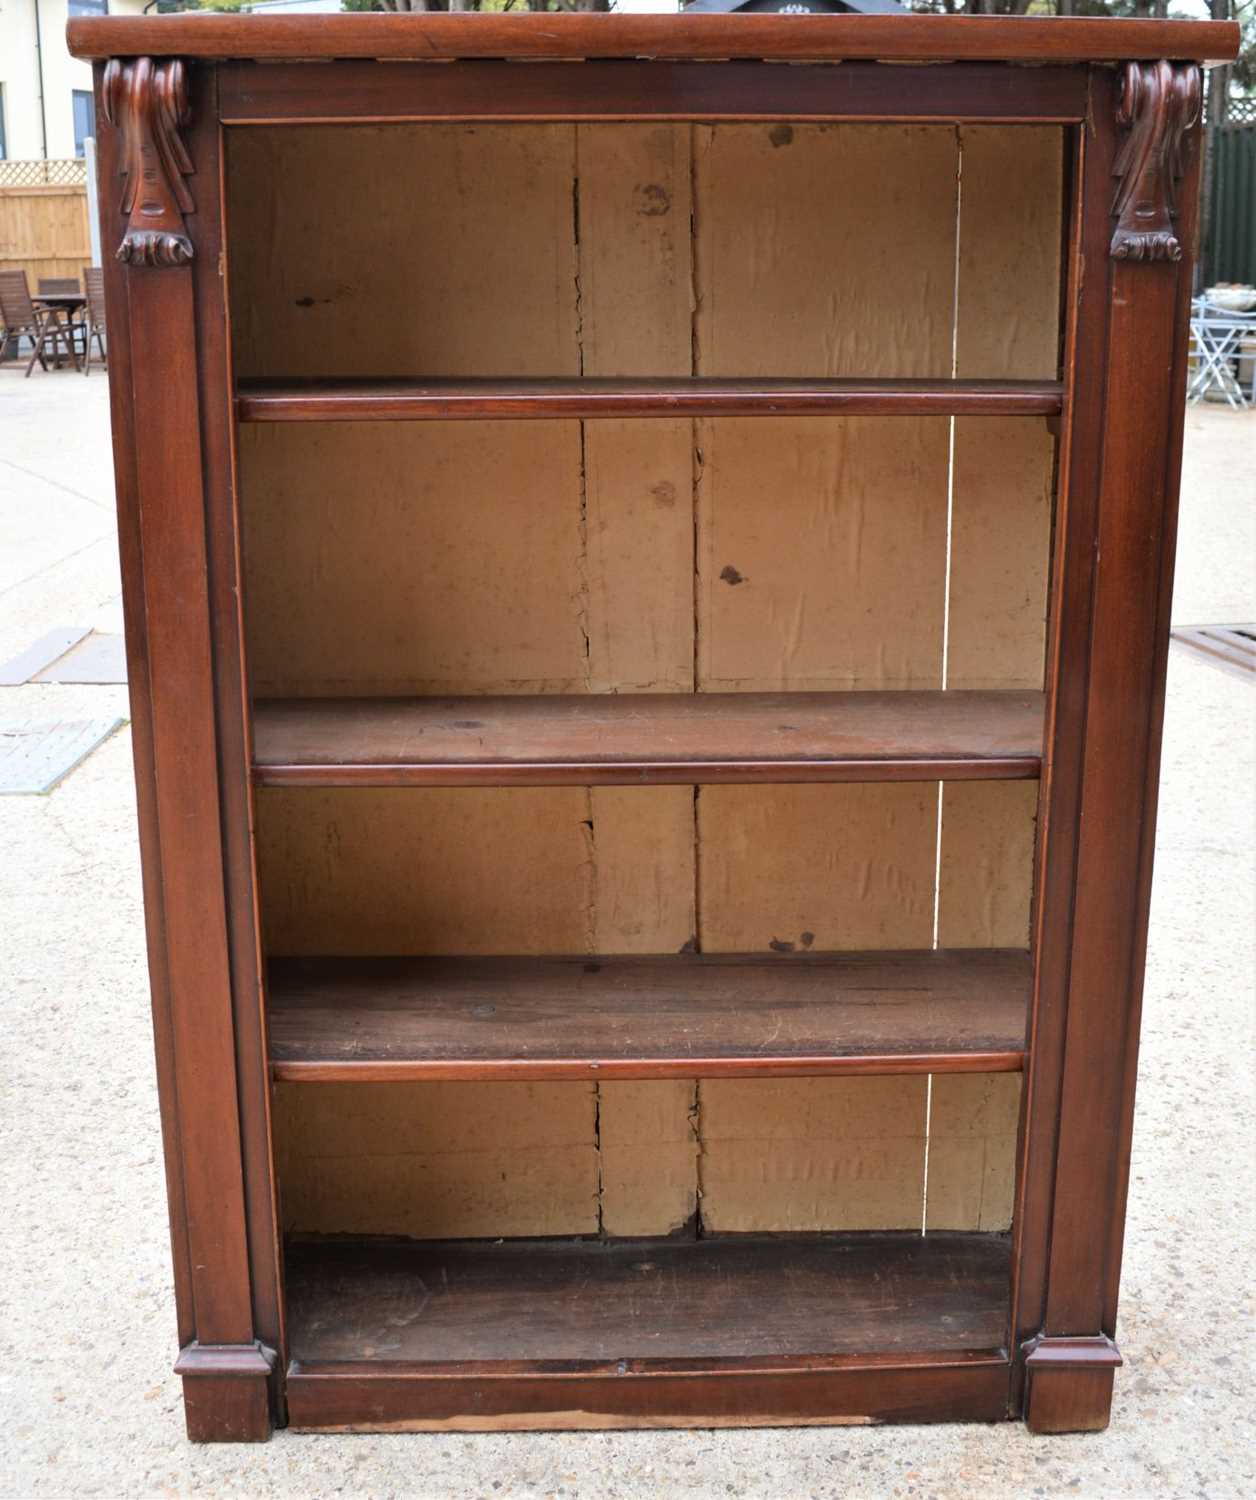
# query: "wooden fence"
[[43, 219]]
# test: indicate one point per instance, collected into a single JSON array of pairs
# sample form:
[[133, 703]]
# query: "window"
[[84, 118], [88, 8]]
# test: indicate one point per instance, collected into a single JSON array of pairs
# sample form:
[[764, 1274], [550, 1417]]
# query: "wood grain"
[[661, 1299], [361, 1020], [404, 401], [905, 38], [837, 1390], [604, 91], [639, 737]]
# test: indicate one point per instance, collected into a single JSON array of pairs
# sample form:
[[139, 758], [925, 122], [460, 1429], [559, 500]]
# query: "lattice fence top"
[[68, 173], [1241, 111]]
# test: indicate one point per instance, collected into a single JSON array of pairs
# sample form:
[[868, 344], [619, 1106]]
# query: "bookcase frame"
[[1127, 94]]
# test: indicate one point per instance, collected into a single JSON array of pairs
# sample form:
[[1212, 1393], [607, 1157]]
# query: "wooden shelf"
[[412, 400], [804, 38], [630, 739], [646, 1300], [361, 1020]]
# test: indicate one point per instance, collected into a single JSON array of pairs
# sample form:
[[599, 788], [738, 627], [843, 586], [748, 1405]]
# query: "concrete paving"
[[86, 1317]]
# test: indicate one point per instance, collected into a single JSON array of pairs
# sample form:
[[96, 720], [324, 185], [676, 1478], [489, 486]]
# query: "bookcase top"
[[784, 38]]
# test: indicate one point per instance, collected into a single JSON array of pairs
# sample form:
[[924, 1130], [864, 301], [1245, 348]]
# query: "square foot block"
[[226, 1392], [1070, 1384]]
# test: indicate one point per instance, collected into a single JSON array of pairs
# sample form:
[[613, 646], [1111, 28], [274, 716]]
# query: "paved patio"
[[86, 1316]]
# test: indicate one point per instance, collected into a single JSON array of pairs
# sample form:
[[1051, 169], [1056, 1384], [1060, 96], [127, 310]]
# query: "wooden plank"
[[837, 1390], [644, 885], [759, 220], [591, 1301], [1003, 482], [787, 868], [232, 694], [634, 250], [1009, 252], [181, 834], [1087, 308], [440, 1160], [647, 1156], [986, 870], [124, 425], [602, 91], [43, 231], [815, 1153], [399, 400], [304, 304], [633, 738], [821, 554], [899, 38], [821, 567], [687, 1015], [972, 1151], [366, 872], [377, 560]]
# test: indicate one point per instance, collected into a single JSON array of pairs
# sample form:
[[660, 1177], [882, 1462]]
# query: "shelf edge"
[[646, 773], [529, 1070]]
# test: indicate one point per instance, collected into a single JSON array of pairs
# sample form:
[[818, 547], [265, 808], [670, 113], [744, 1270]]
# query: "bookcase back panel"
[[646, 556], [620, 249], [825, 249], [403, 250]]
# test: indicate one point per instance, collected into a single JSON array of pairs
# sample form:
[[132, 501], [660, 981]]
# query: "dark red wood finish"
[[710, 38], [375, 1396], [363, 92], [168, 454], [442, 400], [848, 1328], [654, 739], [172, 395], [222, 521], [356, 1020], [1123, 423]]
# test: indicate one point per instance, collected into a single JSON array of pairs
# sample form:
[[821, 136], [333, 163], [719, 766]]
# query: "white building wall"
[[20, 47]]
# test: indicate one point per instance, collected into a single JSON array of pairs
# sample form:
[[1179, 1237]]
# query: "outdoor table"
[[66, 302]]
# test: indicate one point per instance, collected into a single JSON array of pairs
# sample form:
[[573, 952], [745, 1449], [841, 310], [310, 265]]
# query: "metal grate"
[[71, 172], [1230, 647]]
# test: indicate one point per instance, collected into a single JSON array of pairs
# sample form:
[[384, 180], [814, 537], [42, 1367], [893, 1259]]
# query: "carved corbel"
[[147, 102], [1159, 103]]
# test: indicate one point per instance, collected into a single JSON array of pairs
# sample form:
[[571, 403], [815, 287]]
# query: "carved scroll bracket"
[[1159, 103], [148, 103]]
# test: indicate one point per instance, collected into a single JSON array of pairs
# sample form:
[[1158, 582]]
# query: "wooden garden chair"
[[23, 319], [94, 321]]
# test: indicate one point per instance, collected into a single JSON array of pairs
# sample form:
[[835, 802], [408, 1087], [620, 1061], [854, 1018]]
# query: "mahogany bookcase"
[[647, 546]]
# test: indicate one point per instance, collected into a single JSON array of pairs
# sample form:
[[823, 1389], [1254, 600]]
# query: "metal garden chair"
[[1217, 337]]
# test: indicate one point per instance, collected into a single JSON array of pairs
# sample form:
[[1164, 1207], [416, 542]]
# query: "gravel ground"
[[86, 1319]]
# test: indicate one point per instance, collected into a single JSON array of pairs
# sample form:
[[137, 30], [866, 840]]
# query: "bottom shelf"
[[742, 1330], [609, 1300]]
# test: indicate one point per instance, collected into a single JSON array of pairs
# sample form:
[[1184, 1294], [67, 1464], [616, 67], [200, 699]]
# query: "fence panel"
[[43, 218], [1231, 250]]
